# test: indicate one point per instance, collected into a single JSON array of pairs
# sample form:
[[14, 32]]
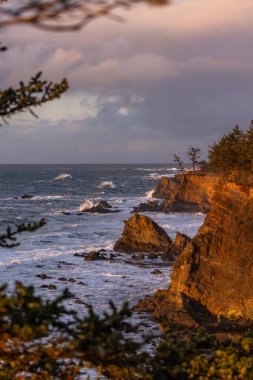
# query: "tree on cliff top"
[[233, 151], [193, 154]]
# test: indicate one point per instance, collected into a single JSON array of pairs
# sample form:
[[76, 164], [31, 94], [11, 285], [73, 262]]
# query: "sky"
[[140, 90]]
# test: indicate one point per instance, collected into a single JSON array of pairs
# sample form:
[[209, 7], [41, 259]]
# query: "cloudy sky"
[[140, 90]]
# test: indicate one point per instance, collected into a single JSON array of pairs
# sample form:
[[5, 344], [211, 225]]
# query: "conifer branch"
[[9, 239]]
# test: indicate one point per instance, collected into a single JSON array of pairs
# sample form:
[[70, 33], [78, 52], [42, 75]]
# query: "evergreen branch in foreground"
[[9, 240], [28, 96]]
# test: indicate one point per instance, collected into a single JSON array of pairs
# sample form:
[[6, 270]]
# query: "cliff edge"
[[213, 275], [191, 192]]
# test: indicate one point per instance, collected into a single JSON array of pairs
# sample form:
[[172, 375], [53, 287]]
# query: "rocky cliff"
[[213, 275], [193, 193], [189, 193]]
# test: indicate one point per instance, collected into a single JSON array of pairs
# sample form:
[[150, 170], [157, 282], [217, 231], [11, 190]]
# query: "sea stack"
[[142, 234]]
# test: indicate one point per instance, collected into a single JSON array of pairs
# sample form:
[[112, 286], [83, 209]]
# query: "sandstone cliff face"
[[214, 273], [165, 187], [191, 193], [142, 234]]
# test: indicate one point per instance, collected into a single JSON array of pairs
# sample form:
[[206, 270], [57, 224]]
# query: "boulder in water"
[[151, 206], [94, 255], [26, 196], [142, 234], [102, 207]]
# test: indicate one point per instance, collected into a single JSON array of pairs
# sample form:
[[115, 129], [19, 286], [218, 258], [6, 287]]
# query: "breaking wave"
[[85, 205], [150, 193], [63, 177], [47, 197], [157, 169], [107, 185]]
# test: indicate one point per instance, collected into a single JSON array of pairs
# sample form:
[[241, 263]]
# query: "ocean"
[[51, 250]]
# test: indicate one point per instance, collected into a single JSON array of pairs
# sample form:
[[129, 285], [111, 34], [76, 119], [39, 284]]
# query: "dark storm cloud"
[[141, 90]]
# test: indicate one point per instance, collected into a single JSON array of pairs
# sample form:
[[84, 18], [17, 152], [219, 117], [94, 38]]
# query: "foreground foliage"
[[27, 96], [9, 239], [45, 340]]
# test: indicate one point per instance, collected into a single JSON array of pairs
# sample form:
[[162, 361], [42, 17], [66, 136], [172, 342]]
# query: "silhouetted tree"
[[179, 162], [193, 154], [27, 96]]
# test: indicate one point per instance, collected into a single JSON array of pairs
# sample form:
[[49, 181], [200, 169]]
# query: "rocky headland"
[[211, 282], [191, 192]]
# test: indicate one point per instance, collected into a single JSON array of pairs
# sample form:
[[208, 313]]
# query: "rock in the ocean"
[[142, 234], [152, 206], [26, 196], [156, 271], [94, 255], [102, 207]]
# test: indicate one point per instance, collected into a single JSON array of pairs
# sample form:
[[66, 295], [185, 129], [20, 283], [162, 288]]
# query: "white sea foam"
[[85, 205], [63, 177], [107, 184], [168, 226], [156, 169], [149, 193], [155, 176], [47, 197]]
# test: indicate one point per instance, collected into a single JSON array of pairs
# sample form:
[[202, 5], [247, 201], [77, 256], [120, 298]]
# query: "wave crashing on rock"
[[107, 185]]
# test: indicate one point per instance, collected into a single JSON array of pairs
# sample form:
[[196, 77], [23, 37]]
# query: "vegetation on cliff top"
[[233, 151]]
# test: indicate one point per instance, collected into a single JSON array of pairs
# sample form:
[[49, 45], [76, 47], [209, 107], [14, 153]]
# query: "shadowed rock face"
[[179, 243], [151, 206], [213, 275], [142, 234]]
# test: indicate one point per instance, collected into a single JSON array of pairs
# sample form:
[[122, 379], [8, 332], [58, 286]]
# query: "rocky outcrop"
[[94, 255], [179, 243], [191, 192], [151, 206], [102, 207], [212, 277], [142, 234], [26, 196], [165, 187]]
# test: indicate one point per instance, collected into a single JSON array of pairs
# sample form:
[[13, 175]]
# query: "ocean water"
[[58, 192]]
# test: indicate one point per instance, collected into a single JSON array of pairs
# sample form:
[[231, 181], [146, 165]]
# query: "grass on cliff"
[[40, 339]]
